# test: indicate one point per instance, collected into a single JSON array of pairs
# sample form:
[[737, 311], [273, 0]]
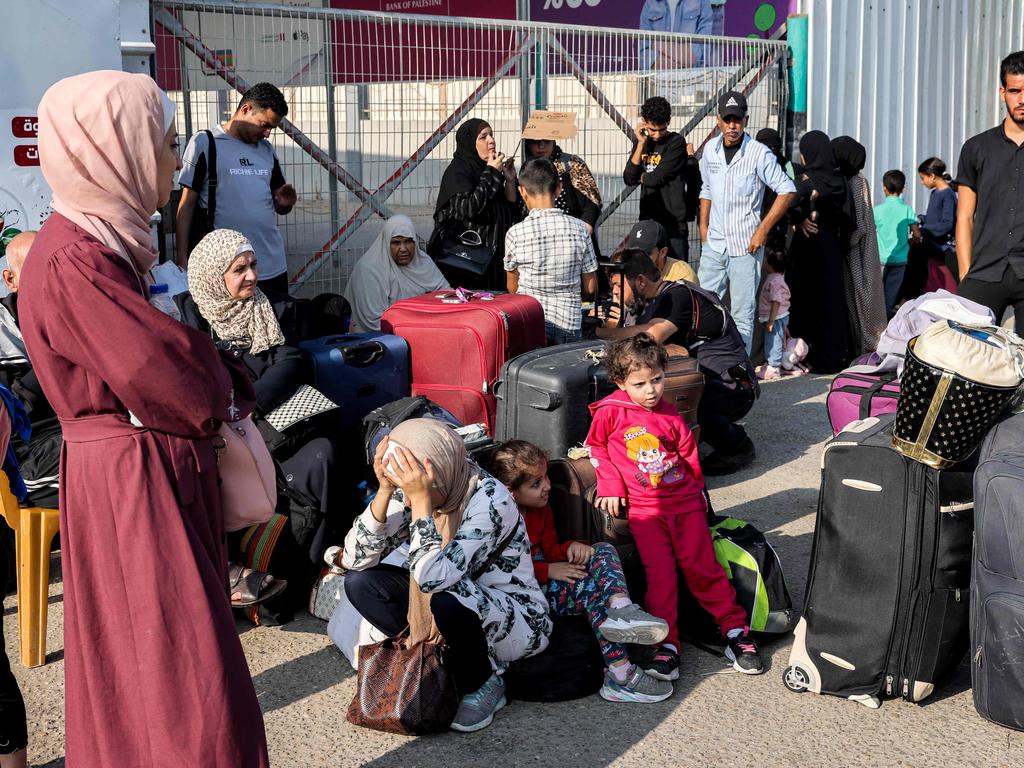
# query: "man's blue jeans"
[[741, 275]]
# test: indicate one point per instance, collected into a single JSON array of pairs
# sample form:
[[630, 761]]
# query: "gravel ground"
[[716, 717]]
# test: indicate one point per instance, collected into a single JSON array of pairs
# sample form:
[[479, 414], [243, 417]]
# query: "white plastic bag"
[[171, 275]]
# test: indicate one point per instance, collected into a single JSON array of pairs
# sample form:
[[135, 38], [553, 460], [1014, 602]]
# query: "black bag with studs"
[[957, 381]]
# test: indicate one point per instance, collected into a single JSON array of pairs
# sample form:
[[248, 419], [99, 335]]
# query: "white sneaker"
[[633, 625]]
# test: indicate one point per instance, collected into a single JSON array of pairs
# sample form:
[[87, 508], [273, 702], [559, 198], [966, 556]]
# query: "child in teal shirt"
[[896, 224]]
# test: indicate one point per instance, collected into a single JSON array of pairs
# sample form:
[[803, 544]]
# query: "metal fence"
[[374, 101]]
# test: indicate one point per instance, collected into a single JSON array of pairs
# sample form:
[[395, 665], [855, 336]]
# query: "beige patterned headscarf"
[[231, 319]]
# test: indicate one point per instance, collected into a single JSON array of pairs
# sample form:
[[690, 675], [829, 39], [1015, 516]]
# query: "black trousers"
[[998, 296], [381, 595], [13, 728], [277, 284], [720, 407]]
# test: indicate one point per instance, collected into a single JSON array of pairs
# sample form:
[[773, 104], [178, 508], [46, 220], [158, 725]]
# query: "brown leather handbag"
[[407, 690], [403, 690]]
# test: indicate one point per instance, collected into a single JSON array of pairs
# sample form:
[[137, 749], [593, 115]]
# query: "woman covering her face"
[[454, 517]]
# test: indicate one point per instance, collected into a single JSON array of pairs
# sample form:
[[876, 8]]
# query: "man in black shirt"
[[684, 314], [990, 211], [668, 175]]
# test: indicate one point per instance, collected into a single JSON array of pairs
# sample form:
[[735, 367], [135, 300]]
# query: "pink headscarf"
[[100, 134]]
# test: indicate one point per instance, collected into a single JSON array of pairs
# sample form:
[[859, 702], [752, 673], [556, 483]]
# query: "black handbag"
[[467, 252]]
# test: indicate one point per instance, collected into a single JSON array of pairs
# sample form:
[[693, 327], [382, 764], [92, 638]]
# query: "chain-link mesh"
[[374, 101]]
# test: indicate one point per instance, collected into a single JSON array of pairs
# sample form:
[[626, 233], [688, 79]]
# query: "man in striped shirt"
[[735, 171]]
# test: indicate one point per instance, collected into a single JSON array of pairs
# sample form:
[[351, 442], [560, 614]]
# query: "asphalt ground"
[[716, 718]]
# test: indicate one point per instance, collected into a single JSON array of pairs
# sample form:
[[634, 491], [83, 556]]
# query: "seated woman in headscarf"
[[224, 301], [393, 268], [479, 194], [455, 518]]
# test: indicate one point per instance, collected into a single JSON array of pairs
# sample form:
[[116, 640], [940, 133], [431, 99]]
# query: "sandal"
[[252, 587]]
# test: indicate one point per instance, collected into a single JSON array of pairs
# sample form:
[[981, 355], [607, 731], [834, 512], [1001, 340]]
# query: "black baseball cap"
[[732, 104], [647, 235]]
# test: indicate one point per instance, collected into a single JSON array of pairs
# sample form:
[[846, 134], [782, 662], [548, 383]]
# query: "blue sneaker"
[[476, 710]]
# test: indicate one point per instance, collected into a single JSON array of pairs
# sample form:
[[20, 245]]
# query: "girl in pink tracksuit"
[[647, 466]]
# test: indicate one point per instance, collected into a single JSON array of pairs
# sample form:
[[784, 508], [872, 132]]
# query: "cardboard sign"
[[551, 125]]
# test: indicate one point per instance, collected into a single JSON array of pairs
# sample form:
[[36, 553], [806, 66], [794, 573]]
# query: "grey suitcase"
[[997, 589], [544, 396]]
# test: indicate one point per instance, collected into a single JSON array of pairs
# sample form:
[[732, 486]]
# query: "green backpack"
[[754, 569]]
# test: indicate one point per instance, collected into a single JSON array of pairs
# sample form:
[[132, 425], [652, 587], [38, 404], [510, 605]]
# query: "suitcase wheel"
[[796, 679]]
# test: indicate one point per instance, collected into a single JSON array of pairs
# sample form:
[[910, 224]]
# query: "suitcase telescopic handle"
[[363, 355]]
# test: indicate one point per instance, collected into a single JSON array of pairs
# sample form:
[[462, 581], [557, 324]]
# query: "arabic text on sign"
[[26, 155], [25, 126]]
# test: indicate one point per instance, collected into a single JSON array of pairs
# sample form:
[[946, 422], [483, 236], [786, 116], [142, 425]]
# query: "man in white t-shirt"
[[250, 188]]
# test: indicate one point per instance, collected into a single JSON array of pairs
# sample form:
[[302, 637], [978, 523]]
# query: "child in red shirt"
[[579, 578], [646, 462]]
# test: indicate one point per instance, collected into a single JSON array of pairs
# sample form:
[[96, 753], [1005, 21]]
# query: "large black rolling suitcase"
[[544, 396], [886, 611], [997, 591]]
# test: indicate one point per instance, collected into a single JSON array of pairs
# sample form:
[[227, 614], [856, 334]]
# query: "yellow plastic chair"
[[34, 529]]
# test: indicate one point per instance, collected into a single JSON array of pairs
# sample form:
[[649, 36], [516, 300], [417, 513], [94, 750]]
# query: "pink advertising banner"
[[742, 18]]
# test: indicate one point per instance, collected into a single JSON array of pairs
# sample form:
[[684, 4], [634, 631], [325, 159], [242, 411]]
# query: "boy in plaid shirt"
[[550, 255]]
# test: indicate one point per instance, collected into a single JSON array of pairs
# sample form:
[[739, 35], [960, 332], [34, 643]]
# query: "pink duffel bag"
[[854, 396]]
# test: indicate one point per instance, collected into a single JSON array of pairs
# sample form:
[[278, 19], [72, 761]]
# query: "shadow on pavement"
[[587, 732], [783, 424], [301, 677]]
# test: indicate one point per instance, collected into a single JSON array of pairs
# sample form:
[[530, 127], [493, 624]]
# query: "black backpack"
[[571, 667], [379, 422]]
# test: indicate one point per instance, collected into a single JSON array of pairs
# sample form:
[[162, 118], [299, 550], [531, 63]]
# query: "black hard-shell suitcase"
[[997, 590], [886, 611], [544, 395]]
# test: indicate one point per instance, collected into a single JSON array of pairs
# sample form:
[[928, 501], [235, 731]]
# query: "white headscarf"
[[377, 282]]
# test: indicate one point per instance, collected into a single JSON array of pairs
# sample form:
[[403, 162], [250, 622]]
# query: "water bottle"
[[160, 298]]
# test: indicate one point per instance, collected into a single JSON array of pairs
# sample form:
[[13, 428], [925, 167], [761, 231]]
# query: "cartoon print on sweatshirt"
[[645, 449]]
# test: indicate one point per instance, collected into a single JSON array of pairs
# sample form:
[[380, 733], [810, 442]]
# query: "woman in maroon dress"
[[154, 671]]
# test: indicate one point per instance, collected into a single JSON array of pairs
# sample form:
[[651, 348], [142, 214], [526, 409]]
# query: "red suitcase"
[[457, 348]]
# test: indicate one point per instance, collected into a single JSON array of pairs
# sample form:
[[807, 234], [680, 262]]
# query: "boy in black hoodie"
[[668, 175]]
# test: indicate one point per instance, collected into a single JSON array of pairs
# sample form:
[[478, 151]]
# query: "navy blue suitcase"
[[359, 371]]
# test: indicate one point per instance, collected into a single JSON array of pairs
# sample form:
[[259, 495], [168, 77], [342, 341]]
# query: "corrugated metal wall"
[[908, 78]]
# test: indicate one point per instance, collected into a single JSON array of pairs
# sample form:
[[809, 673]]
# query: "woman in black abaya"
[[824, 217]]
